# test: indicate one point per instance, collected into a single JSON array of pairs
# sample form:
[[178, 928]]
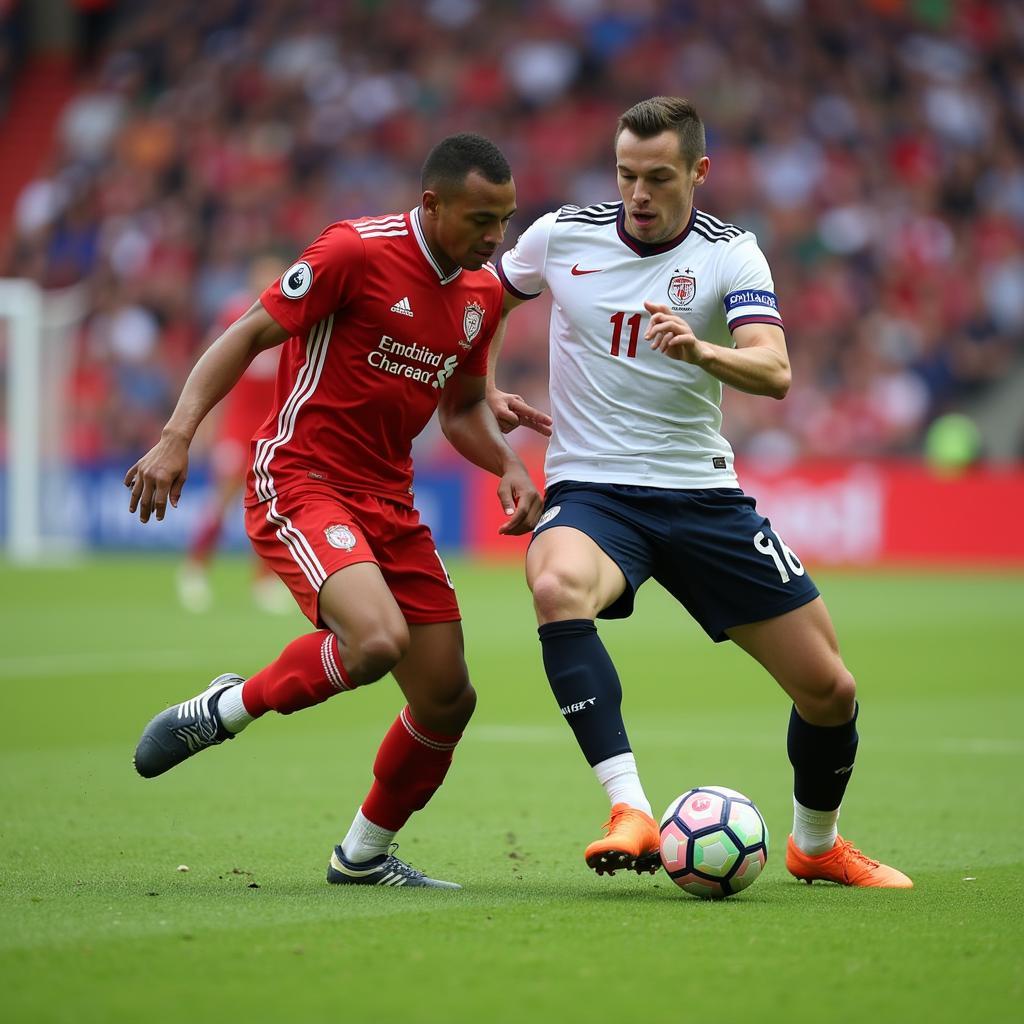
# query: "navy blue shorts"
[[710, 549]]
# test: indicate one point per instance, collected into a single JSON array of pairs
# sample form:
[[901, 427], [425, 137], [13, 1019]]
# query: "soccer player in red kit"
[[384, 320], [241, 414]]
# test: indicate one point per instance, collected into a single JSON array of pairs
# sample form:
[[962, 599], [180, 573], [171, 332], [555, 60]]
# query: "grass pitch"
[[98, 924]]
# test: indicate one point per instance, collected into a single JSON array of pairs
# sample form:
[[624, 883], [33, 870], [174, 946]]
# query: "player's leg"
[[740, 581], [269, 594], [572, 579], [822, 739], [416, 752], [800, 650], [331, 571], [367, 636], [192, 580]]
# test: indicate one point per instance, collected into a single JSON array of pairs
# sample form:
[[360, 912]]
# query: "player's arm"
[[759, 364], [472, 430], [160, 474], [510, 410]]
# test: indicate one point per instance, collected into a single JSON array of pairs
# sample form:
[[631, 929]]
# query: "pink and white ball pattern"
[[714, 842]]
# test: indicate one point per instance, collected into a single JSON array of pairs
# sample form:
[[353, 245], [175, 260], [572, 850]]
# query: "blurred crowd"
[[12, 48], [876, 148]]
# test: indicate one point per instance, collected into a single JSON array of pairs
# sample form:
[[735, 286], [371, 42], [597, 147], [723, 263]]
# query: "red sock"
[[410, 766], [306, 672], [206, 539]]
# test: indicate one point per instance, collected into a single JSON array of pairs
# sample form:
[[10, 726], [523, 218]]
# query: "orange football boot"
[[632, 841], [844, 864]]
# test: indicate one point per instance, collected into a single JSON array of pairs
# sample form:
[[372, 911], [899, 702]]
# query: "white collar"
[[417, 230]]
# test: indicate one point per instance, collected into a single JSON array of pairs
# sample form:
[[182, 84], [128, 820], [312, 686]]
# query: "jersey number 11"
[[634, 333]]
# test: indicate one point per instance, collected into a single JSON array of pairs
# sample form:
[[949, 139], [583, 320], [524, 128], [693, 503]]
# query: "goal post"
[[36, 326]]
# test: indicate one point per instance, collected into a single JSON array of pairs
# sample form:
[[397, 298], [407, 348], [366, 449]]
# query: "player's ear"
[[700, 170], [430, 202]]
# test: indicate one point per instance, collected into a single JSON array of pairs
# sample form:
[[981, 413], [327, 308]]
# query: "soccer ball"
[[714, 842]]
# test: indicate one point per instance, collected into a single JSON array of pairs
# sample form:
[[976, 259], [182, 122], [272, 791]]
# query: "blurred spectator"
[[93, 21], [12, 47], [877, 149]]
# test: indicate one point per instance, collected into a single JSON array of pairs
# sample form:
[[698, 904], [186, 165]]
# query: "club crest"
[[681, 290], [340, 537], [547, 517], [472, 321]]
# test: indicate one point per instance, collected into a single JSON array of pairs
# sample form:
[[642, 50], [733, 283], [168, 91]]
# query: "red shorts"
[[307, 534]]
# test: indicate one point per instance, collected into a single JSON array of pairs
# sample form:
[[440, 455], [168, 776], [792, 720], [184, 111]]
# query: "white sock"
[[814, 832], [365, 840], [621, 782], [231, 709]]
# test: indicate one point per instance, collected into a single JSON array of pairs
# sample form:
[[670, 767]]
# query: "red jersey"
[[377, 330]]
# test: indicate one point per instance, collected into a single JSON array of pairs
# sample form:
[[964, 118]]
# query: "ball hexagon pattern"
[[714, 842]]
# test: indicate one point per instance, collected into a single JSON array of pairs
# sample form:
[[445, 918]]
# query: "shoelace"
[[850, 852], [393, 863], [615, 819]]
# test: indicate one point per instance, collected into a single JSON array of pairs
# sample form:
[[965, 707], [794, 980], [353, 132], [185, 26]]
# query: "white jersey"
[[622, 412]]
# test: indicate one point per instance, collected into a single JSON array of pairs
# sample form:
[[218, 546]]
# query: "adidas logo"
[[402, 306]]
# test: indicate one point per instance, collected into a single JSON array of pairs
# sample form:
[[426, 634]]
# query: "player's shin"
[[305, 673], [410, 766], [206, 538], [822, 757], [586, 686]]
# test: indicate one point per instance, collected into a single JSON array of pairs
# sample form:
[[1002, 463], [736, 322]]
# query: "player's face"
[[656, 184], [467, 225]]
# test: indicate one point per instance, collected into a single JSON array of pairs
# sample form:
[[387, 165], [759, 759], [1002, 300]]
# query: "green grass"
[[97, 924]]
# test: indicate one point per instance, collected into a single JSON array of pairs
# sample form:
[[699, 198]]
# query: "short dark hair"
[[664, 113], [449, 162]]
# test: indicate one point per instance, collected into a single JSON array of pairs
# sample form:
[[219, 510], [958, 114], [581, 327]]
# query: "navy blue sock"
[[822, 757], [586, 686]]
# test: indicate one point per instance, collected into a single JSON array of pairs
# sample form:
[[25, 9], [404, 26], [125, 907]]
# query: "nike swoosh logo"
[[576, 272]]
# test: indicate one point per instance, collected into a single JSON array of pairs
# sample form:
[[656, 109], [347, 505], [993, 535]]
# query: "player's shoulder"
[[597, 215], [378, 239], [718, 232], [383, 226], [486, 279], [341, 238]]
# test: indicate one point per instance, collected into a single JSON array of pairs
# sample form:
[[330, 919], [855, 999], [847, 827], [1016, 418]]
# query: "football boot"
[[844, 864], [384, 869], [183, 730], [631, 842]]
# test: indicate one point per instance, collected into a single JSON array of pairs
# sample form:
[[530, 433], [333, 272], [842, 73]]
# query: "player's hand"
[[158, 477], [672, 335], [513, 411], [520, 500]]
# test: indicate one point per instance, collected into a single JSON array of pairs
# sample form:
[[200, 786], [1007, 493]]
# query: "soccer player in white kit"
[[640, 480]]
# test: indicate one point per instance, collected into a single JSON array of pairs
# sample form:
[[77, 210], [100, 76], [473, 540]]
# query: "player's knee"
[[447, 710], [560, 595], [377, 653], [833, 699], [460, 709], [844, 693]]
